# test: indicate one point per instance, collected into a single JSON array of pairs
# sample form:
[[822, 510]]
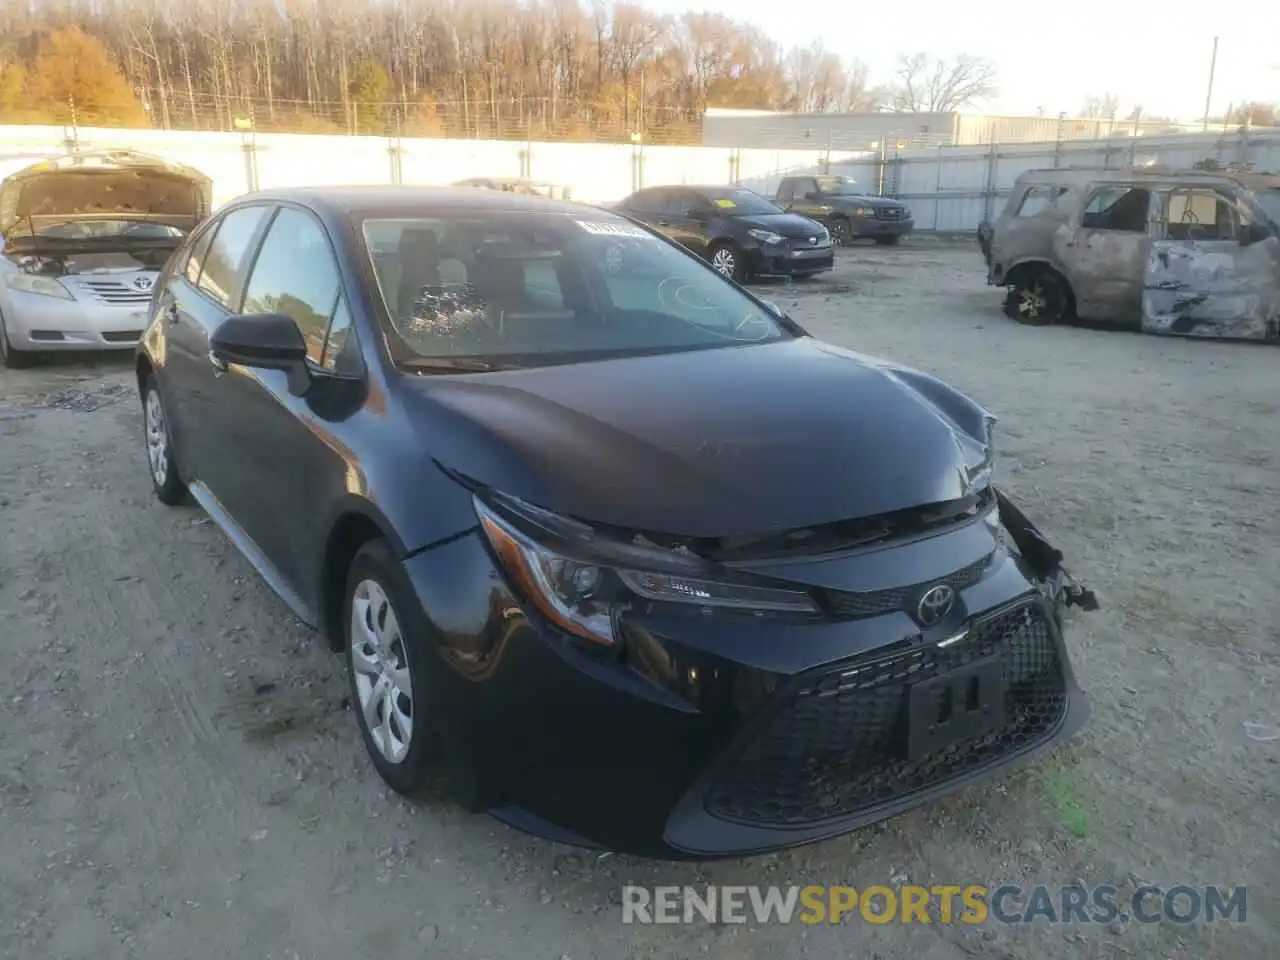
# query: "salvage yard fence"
[[950, 189]]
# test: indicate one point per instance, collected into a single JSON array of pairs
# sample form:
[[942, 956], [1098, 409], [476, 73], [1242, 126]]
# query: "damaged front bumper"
[[713, 735]]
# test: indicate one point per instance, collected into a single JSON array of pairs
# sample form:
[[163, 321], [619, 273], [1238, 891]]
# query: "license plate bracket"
[[961, 704]]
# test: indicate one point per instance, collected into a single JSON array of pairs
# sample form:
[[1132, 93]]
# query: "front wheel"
[[164, 468], [388, 661], [11, 358], [841, 233], [726, 259]]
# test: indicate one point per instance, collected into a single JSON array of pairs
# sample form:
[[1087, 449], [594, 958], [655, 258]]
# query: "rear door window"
[[196, 256], [1123, 209]]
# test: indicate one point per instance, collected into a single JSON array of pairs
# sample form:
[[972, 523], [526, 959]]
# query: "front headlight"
[[765, 236], [863, 212], [43, 286], [579, 580]]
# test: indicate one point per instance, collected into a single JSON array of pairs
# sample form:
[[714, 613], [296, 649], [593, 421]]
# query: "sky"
[[1049, 55]]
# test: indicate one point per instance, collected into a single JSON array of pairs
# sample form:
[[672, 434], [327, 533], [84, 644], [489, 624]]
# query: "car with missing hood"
[[742, 234], [614, 545], [1189, 252], [848, 211], [84, 237]]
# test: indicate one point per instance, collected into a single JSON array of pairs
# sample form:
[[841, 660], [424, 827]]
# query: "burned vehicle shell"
[[1180, 252], [83, 239]]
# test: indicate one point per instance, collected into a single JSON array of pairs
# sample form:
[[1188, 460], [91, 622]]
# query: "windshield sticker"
[[724, 204], [601, 229]]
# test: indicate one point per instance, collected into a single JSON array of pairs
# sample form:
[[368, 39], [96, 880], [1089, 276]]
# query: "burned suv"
[[1177, 252]]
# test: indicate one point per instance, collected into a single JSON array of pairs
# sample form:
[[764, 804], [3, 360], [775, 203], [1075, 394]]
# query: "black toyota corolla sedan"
[[738, 232], [614, 545]]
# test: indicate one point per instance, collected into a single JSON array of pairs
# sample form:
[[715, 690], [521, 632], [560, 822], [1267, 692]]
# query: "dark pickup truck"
[[838, 204]]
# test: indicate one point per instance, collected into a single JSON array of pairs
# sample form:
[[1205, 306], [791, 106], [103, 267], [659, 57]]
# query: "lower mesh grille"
[[836, 744]]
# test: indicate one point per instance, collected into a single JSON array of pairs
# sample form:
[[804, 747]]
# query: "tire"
[[1037, 298], [11, 358], [386, 654], [726, 259], [890, 241], [162, 466], [841, 232]]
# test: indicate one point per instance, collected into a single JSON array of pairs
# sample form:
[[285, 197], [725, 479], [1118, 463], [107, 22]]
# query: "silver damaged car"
[[82, 239]]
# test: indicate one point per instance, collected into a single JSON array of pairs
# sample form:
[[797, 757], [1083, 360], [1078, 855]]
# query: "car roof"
[[384, 200]]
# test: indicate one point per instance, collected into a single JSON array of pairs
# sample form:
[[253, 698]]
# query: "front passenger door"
[[290, 462], [1214, 268]]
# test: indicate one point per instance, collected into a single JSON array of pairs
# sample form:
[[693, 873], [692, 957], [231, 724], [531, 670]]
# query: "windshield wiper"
[[451, 364]]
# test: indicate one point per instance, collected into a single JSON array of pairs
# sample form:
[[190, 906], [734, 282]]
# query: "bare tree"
[[927, 84], [546, 69], [1101, 107]]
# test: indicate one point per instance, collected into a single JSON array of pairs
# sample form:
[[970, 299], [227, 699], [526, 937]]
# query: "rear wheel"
[[170, 489], [11, 358], [1037, 298], [727, 261]]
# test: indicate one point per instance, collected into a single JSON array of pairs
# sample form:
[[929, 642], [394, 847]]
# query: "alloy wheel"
[[725, 262], [157, 439], [384, 684]]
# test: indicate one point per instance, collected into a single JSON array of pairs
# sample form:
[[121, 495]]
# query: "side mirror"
[[269, 341], [1255, 233]]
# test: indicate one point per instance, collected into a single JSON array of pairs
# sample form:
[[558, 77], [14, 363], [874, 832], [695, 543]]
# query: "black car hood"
[[786, 224], [712, 443]]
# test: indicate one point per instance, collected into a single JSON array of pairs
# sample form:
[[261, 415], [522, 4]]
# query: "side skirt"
[[244, 543]]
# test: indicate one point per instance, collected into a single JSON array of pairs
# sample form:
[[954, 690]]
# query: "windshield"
[[839, 186], [524, 288], [739, 203], [124, 229]]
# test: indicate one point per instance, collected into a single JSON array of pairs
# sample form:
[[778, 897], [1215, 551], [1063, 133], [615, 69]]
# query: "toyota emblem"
[[935, 604], [143, 283]]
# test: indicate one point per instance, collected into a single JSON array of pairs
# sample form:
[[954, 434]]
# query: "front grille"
[[122, 336], [850, 605], [833, 745], [116, 291], [890, 213]]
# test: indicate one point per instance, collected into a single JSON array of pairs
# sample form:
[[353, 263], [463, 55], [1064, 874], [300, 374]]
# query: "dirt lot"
[[179, 777]]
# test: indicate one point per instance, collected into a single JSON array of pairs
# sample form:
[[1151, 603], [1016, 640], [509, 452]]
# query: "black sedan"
[[611, 543], [739, 232]]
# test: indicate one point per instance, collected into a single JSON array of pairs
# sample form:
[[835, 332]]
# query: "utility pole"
[[1213, 65]]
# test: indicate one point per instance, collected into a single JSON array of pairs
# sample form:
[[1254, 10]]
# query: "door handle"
[[171, 312]]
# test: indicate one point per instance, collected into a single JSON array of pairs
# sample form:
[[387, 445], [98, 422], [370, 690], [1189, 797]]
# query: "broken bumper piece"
[[1044, 560]]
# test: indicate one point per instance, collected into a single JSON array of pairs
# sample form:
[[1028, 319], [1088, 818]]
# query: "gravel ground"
[[178, 774]]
